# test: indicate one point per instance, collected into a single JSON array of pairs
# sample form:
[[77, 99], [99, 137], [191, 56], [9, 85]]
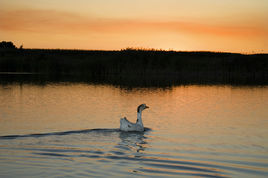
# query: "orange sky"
[[211, 25]]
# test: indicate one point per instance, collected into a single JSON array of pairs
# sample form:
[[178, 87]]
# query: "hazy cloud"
[[51, 21]]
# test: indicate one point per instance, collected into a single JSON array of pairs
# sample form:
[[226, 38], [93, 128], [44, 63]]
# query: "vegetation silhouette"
[[134, 67], [7, 45]]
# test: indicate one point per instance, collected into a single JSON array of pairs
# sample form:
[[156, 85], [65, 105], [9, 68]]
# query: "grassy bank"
[[141, 67]]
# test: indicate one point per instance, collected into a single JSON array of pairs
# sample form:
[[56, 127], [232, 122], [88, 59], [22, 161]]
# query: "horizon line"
[[146, 49]]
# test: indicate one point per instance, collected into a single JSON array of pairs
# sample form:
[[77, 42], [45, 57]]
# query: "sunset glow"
[[233, 26]]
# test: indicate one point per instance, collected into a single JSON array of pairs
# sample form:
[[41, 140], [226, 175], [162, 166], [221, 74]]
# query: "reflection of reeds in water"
[[139, 67]]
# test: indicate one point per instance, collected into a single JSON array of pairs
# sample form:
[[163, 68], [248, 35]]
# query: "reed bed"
[[138, 66]]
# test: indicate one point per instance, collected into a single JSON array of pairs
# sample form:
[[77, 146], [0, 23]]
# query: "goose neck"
[[139, 120]]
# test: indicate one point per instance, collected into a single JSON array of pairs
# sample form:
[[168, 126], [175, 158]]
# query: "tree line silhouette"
[[138, 66], [7, 45]]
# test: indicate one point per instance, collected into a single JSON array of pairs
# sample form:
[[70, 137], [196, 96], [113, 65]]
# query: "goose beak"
[[146, 107]]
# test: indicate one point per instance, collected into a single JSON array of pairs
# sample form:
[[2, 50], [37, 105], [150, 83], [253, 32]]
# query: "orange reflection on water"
[[185, 120], [200, 109]]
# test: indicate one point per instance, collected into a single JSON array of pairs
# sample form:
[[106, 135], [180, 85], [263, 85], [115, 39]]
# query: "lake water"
[[61, 130]]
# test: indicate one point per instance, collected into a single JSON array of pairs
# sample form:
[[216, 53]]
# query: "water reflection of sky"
[[212, 127]]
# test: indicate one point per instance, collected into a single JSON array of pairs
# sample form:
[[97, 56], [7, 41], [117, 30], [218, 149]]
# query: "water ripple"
[[121, 150]]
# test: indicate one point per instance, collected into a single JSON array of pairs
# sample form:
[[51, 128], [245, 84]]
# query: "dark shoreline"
[[132, 67]]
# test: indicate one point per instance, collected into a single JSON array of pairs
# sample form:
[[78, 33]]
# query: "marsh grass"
[[138, 66]]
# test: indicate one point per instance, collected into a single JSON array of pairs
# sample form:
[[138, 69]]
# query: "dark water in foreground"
[[62, 130]]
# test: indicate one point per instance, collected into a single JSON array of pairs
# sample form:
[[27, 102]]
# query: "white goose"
[[125, 125]]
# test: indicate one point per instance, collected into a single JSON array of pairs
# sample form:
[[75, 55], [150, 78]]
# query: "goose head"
[[142, 107]]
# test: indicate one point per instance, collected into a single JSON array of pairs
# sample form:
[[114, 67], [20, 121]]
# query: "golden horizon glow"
[[179, 25]]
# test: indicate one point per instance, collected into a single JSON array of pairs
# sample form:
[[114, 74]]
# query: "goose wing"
[[126, 125], [125, 121]]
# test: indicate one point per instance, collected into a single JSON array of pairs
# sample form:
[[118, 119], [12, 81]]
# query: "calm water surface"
[[61, 130]]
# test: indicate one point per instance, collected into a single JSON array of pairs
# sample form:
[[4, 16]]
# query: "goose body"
[[126, 125]]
